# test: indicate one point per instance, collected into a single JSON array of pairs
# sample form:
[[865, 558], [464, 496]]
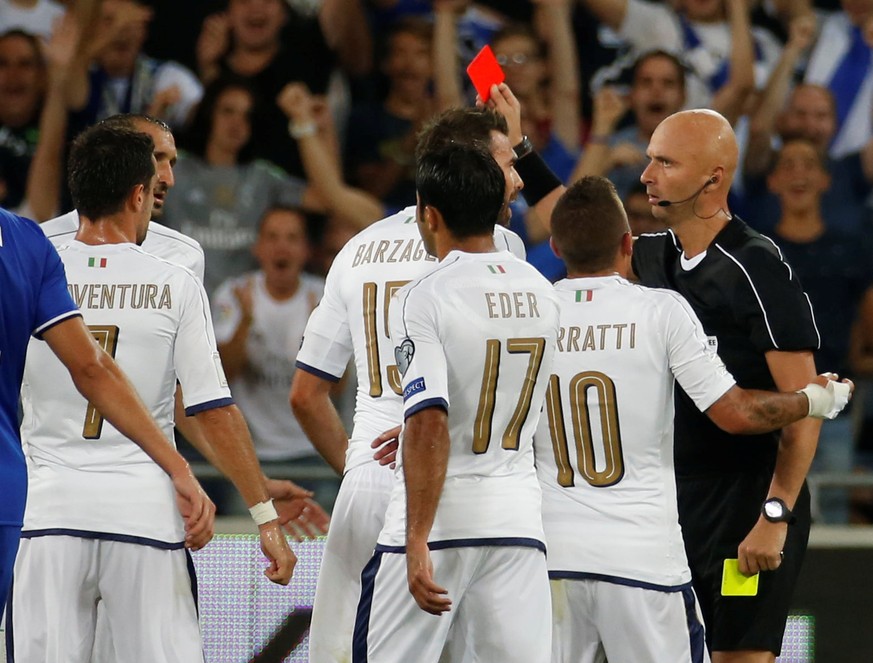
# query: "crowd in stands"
[[304, 114]]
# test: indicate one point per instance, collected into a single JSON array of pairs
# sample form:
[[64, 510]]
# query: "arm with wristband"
[[234, 454], [542, 187]]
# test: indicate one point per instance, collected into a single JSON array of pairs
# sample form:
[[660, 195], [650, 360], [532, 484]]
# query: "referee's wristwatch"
[[524, 148], [776, 511]]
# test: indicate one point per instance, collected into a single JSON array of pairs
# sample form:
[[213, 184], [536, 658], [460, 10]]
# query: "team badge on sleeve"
[[403, 355]]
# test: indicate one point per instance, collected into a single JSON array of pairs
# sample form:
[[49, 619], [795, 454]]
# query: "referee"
[[740, 497]]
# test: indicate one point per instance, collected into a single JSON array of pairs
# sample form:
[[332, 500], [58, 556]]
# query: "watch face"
[[773, 509]]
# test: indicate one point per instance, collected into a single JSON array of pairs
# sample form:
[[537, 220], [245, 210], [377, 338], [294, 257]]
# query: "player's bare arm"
[[228, 435], [299, 514], [753, 411], [99, 379], [425, 458], [310, 401], [761, 549]]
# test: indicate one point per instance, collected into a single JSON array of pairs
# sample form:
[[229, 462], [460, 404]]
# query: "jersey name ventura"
[[152, 316]]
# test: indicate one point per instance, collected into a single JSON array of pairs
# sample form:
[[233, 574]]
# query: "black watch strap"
[[776, 511], [524, 148]]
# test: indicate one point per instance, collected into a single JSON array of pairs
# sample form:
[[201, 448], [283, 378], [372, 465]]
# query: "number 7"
[[107, 338], [487, 394]]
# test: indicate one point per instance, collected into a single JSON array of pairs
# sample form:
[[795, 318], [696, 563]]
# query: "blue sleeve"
[[53, 301]]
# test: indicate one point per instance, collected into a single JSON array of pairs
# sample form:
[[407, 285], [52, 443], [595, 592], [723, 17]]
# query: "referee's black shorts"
[[716, 513]]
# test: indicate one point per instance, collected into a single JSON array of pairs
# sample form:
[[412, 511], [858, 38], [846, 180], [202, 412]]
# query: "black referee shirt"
[[749, 301]]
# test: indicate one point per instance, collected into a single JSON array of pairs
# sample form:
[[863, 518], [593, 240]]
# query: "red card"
[[485, 71]]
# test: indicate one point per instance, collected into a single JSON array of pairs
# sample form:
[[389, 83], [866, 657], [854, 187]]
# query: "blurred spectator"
[[123, 79], [259, 321], [841, 61], [381, 142], [35, 17], [222, 190], [657, 90], [272, 45], [639, 212], [725, 56], [809, 113], [22, 86], [835, 271]]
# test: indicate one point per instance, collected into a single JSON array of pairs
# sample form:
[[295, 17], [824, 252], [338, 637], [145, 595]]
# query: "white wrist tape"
[[827, 402], [263, 512]]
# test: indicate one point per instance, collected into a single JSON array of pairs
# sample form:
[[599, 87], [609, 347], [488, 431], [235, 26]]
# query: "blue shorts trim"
[[365, 607], [617, 580], [103, 536], [208, 405], [518, 541], [316, 372], [696, 633]]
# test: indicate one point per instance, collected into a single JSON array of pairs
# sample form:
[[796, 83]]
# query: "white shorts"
[[596, 620], [500, 608], [146, 593], [357, 519]]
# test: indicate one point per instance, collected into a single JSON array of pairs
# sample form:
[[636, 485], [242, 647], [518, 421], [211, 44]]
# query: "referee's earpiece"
[[713, 180]]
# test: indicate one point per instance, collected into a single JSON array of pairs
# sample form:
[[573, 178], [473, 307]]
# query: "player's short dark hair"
[[462, 126], [465, 184], [588, 223], [129, 121], [105, 164]]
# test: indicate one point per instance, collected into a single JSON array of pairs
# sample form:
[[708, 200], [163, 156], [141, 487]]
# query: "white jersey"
[[605, 445], [160, 241], [476, 335], [353, 315], [84, 476], [261, 391]]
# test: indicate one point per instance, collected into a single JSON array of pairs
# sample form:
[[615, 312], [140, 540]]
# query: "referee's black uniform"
[[749, 301]]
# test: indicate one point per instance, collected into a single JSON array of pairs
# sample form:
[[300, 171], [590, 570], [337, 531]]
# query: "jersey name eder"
[[152, 316], [476, 335], [352, 318], [604, 445]]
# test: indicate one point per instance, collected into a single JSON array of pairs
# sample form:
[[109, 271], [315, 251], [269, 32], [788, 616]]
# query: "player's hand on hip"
[[276, 549], [386, 447], [761, 550], [196, 508], [429, 596]]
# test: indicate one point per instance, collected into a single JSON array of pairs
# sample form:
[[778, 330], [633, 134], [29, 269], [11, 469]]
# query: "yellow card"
[[734, 583]]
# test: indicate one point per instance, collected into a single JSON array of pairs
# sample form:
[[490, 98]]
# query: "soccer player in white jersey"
[[474, 340], [352, 320], [101, 525], [621, 586], [294, 503], [161, 241]]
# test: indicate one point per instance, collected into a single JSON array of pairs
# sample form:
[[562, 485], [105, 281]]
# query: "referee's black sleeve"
[[769, 300]]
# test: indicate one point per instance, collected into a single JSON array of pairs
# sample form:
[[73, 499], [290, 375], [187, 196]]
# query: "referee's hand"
[[762, 549]]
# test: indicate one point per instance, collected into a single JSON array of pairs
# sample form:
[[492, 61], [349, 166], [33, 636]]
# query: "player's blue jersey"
[[33, 298]]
